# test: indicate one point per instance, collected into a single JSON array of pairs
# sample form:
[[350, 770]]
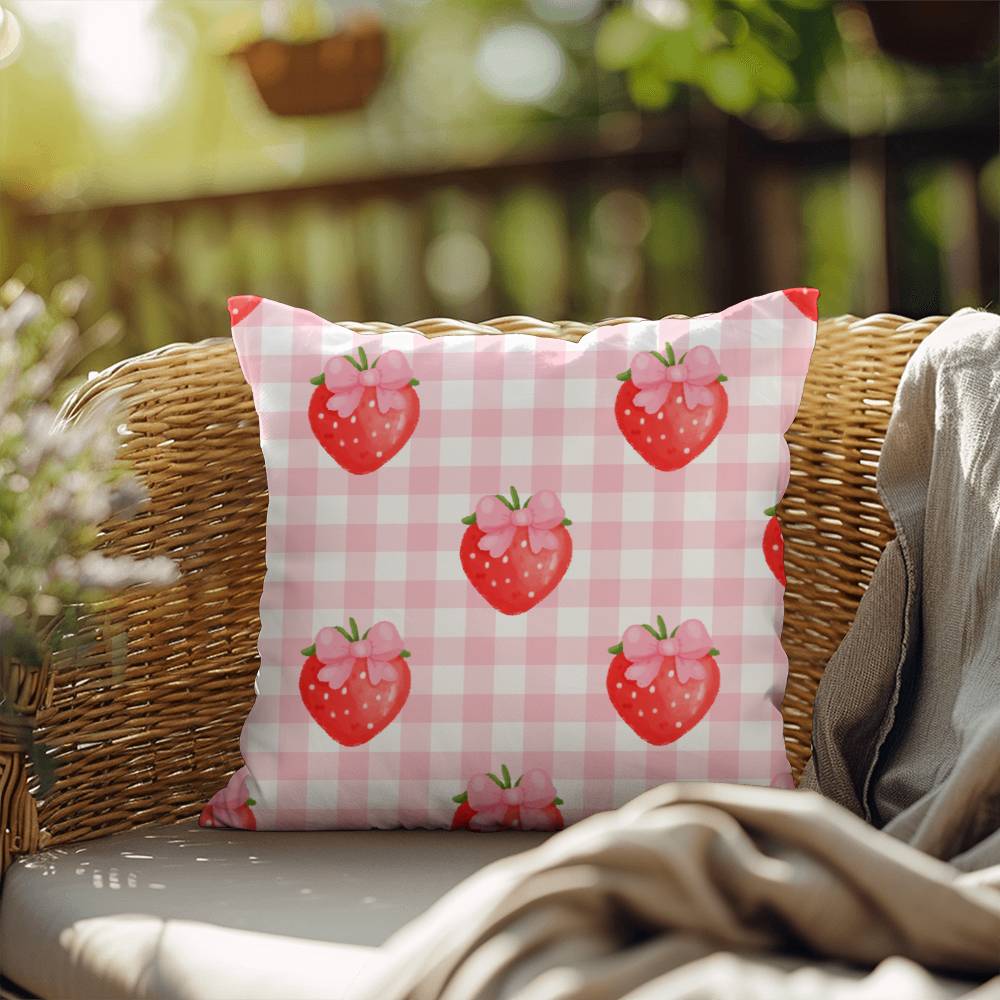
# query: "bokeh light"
[[457, 266], [520, 63]]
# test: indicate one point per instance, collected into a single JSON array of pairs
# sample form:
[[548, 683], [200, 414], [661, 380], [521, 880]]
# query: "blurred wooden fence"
[[691, 221]]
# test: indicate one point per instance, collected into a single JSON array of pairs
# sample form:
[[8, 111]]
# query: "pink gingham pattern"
[[523, 690]]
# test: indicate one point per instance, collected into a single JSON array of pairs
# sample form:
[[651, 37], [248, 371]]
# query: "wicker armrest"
[[145, 721]]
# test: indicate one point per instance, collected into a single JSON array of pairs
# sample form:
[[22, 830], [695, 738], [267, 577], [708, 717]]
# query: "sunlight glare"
[[124, 63]]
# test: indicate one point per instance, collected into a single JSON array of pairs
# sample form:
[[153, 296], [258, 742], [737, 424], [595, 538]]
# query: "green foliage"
[[737, 52]]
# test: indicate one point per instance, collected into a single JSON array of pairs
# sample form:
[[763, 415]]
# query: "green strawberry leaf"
[[347, 357], [469, 519], [663, 627], [404, 653], [354, 628], [672, 634], [616, 649], [309, 650], [557, 801], [504, 501], [652, 631], [566, 522], [495, 779], [771, 511], [625, 376], [464, 797], [722, 378], [669, 349], [505, 771], [318, 379], [663, 361], [680, 360], [713, 652], [343, 631], [251, 802], [516, 498], [414, 381], [364, 358]]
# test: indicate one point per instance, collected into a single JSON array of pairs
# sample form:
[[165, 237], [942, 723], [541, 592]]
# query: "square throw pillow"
[[515, 580]]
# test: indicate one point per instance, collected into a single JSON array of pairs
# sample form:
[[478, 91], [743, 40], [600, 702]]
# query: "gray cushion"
[[180, 912]]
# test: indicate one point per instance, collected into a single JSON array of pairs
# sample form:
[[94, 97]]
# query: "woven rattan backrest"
[[146, 725]]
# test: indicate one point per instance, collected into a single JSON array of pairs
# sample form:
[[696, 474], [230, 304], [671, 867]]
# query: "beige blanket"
[[716, 891]]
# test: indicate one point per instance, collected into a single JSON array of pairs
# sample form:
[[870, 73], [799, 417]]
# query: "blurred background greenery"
[[564, 158]]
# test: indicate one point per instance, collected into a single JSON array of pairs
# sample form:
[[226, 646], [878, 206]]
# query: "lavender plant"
[[59, 481]]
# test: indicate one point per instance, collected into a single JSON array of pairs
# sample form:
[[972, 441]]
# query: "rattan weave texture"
[[145, 720]]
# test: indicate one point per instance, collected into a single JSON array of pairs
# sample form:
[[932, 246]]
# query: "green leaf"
[[771, 511], [663, 627], [318, 379], [557, 801], [251, 802], [309, 650], [404, 653], [652, 631], [713, 652], [505, 771], [624, 376], [464, 797], [659, 357], [669, 350], [722, 378], [364, 358], [343, 631], [414, 381], [364, 635], [566, 522], [515, 498], [495, 779], [505, 501], [680, 360], [347, 357], [616, 649], [469, 519], [672, 634], [354, 628]]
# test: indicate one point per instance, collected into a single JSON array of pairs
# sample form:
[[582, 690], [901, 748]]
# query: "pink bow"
[[646, 652], [392, 373], [499, 523], [699, 369], [338, 655], [530, 796]]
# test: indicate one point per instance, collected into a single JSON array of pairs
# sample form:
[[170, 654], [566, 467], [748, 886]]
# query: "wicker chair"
[[144, 721]]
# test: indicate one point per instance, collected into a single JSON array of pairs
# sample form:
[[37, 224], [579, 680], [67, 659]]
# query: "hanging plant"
[[302, 72]]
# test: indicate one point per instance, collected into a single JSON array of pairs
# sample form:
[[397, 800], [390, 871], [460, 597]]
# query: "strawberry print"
[[231, 806], [805, 300], [515, 554], [240, 306], [774, 546], [662, 685], [495, 802], [364, 414], [355, 684], [670, 410]]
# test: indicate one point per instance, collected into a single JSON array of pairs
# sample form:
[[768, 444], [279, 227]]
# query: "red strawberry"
[[804, 299], [514, 554], [363, 415], [774, 546], [662, 685], [354, 686], [671, 410], [495, 802], [240, 306]]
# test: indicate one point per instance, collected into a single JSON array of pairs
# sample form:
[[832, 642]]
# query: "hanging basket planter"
[[339, 72], [935, 32]]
